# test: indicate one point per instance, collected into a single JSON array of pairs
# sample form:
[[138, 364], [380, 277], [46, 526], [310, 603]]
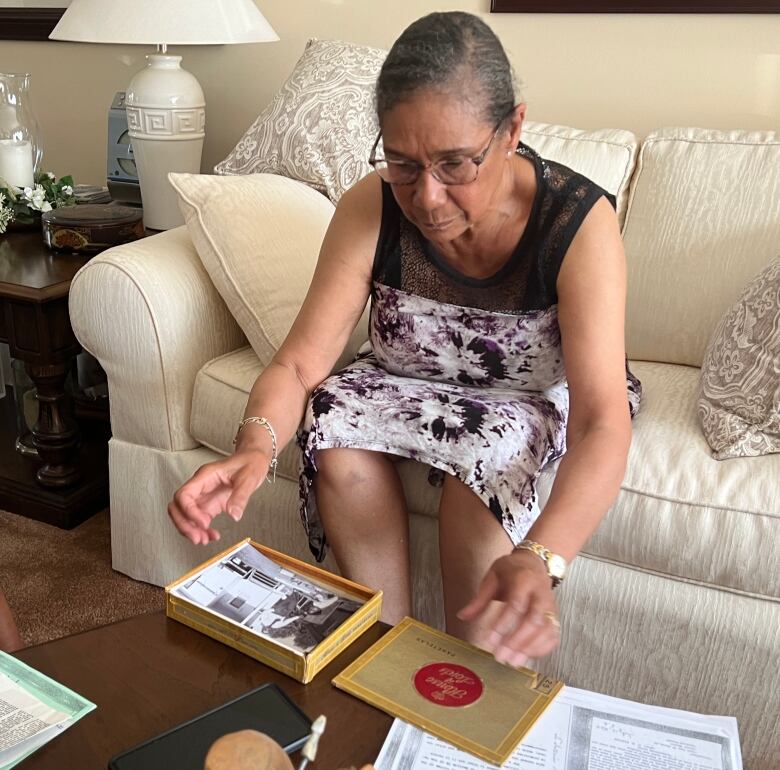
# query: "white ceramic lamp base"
[[166, 120]]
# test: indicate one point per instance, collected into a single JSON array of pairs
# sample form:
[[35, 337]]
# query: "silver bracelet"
[[267, 425]]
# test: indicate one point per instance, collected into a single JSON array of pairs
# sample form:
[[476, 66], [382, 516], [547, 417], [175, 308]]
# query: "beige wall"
[[630, 71]]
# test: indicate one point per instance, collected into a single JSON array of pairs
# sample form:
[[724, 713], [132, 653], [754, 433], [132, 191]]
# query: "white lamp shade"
[[168, 22]]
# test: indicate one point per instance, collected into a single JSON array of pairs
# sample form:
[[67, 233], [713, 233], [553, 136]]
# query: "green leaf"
[[25, 217]]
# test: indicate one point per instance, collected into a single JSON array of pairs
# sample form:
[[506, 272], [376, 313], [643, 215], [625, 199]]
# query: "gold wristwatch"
[[555, 564]]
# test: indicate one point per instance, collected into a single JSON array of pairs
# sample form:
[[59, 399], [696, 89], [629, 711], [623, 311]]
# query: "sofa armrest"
[[150, 314]]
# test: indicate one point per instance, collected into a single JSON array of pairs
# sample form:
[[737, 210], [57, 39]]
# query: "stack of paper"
[[85, 193], [582, 730], [33, 710]]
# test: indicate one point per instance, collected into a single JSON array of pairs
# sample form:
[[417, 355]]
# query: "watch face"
[[556, 566]]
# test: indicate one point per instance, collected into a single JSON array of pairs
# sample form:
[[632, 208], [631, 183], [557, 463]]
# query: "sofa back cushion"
[[607, 156], [703, 218], [258, 237]]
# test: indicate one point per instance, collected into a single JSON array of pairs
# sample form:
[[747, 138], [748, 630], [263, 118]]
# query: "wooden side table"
[[68, 481]]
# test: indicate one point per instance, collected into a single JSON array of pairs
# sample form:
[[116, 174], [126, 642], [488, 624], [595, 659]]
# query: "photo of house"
[[250, 589]]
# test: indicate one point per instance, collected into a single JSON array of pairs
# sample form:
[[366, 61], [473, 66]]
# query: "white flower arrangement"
[[36, 198], [6, 213], [27, 204]]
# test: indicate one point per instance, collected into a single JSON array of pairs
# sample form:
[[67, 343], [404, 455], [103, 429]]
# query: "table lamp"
[[166, 109]]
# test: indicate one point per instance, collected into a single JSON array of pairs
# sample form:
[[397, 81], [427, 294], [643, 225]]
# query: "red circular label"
[[448, 684]]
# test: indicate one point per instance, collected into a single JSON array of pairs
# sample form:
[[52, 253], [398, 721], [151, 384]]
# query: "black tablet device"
[[266, 709]]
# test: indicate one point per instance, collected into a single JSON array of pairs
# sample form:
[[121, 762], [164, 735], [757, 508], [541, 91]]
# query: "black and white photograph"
[[250, 589]]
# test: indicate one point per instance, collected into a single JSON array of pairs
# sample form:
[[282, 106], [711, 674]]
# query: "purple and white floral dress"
[[465, 375]]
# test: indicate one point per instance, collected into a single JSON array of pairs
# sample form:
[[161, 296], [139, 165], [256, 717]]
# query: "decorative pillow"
[[258, 237], [739, 401], [320, 127]]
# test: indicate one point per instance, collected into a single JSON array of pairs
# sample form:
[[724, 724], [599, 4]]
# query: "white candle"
[[16, 162]]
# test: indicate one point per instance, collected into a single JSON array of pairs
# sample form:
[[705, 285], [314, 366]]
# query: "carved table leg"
[[56, 433]]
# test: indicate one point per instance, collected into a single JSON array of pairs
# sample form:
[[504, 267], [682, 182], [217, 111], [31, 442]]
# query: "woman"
[[497, 282]]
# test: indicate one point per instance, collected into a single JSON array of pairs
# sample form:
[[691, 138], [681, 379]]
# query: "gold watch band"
[[548, 557]]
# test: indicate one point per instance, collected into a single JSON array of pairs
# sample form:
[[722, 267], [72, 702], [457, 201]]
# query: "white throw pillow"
[[739, 401], [321, 125], [258, 237]]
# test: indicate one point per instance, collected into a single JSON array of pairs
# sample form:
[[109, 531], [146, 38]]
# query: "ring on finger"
[[553, 618]]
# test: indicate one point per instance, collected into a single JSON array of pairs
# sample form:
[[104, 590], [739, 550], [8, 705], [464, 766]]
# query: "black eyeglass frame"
[[478, 160]]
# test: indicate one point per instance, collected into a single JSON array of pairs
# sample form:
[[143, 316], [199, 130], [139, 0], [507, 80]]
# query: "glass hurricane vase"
[[20, 146]]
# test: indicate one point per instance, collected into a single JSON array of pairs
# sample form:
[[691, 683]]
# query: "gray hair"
[[441, 51]]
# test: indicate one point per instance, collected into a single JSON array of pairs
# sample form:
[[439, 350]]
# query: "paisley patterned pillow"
[[739, 398], [320, 127]]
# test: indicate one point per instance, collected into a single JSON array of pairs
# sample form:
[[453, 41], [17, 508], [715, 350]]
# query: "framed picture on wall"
[[29, 19], [634, 6]]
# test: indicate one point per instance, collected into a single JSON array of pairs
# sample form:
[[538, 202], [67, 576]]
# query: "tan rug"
[[59, 582]]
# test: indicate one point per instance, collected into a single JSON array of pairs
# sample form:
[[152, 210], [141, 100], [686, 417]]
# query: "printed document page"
[[582, 730], [33, 709]]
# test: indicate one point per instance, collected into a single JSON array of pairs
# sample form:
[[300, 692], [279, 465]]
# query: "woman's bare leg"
[[363, 510], [10, 640], [470, 540]]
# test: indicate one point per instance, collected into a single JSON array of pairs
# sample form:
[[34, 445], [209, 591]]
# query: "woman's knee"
[[359, 490], [341, 467]]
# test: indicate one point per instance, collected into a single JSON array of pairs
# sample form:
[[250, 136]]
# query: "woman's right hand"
[[224, 485]]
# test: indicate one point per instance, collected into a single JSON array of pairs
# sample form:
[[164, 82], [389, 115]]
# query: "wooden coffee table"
[[150, 673]]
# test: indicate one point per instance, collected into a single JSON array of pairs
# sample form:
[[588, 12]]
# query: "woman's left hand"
[[526, 626]]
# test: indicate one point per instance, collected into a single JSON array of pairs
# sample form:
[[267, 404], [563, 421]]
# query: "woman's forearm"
[[586, 484], [280, 396]]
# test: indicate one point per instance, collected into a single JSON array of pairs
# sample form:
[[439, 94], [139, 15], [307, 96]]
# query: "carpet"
[[60, 582]]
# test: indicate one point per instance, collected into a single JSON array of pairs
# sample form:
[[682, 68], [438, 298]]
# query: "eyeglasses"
[[456, 169]]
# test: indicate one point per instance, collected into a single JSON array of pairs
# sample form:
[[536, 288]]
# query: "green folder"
[[15, 675]]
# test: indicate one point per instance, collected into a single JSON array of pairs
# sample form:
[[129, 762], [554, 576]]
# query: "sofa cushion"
[[679, 511], [739, 399], [606, 156], [703, 218], [258, 237], [218, 401], [321, 125]]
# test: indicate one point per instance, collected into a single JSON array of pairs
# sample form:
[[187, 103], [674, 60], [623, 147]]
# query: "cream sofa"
[[676, 598]]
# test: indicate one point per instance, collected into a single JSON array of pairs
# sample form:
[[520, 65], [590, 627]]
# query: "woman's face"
[[429, 127]]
